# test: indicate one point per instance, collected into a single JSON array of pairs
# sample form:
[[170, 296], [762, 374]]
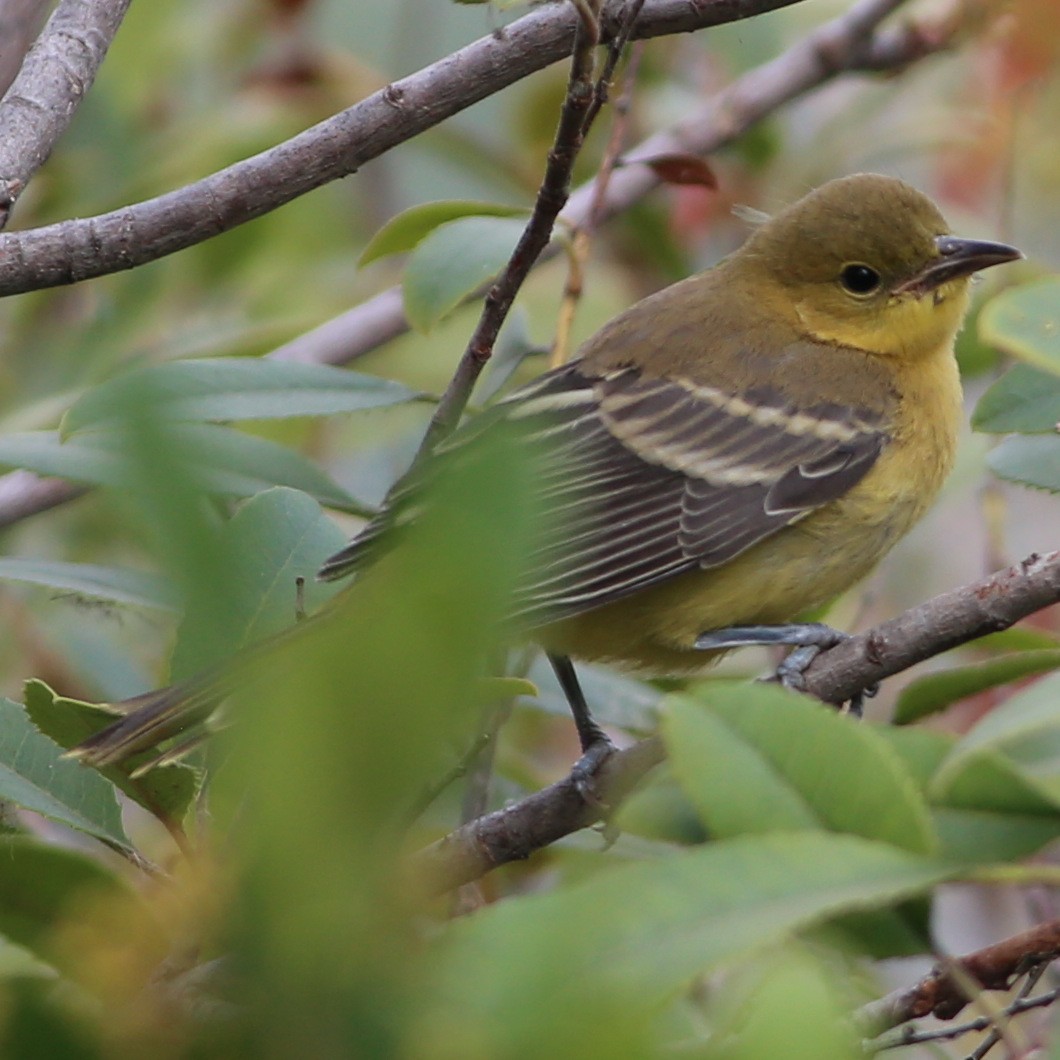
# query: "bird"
[[726, 455]]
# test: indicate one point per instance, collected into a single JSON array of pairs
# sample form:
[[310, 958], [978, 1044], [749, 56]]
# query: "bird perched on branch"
[[728, 453]]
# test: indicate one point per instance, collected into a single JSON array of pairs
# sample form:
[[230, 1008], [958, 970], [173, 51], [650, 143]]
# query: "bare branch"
[[944, 622], [940, 994], [850, 43], [20, 22], [76, 250], [55, 75]]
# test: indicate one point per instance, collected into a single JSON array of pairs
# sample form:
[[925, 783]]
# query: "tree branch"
[[53, 79], [20, 22], [954, 618], [122, 239], [941, 993], [851, 43]]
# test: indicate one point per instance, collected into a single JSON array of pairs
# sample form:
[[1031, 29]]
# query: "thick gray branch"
[[77, 250], [55, 75]]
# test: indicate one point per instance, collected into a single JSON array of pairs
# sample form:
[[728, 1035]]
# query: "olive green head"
[[868, 261]]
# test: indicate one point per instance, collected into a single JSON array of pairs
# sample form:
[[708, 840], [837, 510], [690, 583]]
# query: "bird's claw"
[[583, 772]]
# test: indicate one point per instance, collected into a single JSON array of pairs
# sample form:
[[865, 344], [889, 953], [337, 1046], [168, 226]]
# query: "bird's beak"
[[957, 257]]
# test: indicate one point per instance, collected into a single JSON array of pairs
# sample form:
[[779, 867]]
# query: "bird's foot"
[[584, 771], [807, 639]]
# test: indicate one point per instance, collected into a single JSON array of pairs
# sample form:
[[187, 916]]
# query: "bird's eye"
[[859, 279]]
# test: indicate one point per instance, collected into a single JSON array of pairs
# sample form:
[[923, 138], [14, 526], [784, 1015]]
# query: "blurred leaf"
[[229, 461], [1024, 400], [795, 765], [89, 580], [1031, 460], [935, 692], [631, 938], [681, 169], [34, 775], [1025, 728], [234, 388], [1017, 638], [1025, 322], [453, 262], [166, 791], [275, 538], [40, 884], [405, 231]]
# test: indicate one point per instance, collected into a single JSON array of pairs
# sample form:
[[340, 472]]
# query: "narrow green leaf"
[[1025, 322], [794, 763], [630, 938], [166, 791], [405, 231], [1031, 460], [935, 692], [234, 388], [89, 580], [1025, 400], [453, 262], [227, 461], [1025, 728], [34, 775]]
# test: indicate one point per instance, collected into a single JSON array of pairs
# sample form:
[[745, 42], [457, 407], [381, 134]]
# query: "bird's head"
[[869, 262]]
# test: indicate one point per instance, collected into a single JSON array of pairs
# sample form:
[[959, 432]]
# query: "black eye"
[[859, 279]]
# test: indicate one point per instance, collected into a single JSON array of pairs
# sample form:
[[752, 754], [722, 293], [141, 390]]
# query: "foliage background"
[[328, 954]]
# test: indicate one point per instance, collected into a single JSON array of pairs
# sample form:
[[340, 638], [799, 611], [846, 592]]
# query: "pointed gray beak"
[[957, 257]]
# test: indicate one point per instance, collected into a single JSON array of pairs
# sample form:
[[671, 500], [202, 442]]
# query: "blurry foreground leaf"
[[234, 388]]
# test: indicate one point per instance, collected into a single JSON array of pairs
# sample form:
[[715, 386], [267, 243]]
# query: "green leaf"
[[89, 580], [166, 791], [631, 938], [405, 231], [935, 692], [1025, 728], [795, 765], [234, 388], [34, 775], [453, 262], [41, 885], [1024, 400], [1025, 322], [514, 346], [227, 461], [1031, 460], [617, 698], [275, 538]]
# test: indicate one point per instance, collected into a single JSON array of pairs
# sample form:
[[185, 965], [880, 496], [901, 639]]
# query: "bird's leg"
[[808, 639], [596, 744]]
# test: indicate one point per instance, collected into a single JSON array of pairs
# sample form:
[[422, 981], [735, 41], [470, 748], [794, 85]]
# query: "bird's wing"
[[647, 478], [643, 479]]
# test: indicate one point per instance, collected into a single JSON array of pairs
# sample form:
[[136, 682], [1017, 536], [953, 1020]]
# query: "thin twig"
[[551, 198]]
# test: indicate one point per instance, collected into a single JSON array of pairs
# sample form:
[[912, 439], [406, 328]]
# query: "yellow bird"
[[729, 452]]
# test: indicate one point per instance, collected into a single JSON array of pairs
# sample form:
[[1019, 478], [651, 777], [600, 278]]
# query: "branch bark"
[[944, 622], [53, 79], [76, 250], [851, 43]]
